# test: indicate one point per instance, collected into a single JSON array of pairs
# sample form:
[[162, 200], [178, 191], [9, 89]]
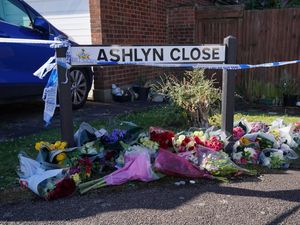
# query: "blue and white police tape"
[[204, 65], [29, 41], [56, 43]]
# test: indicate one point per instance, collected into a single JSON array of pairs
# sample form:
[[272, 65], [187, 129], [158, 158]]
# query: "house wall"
[[70, 16], [140, 22]]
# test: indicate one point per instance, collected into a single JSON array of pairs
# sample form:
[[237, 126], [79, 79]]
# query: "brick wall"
[[127, 22]]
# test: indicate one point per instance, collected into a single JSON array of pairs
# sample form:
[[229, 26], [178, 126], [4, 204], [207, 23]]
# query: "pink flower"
[[238, 132]]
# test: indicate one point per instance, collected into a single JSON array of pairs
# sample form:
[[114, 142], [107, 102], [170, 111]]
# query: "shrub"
[[193, 93]]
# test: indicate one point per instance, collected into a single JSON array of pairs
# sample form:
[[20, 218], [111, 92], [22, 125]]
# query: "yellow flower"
[[57, 144], [276, 134], [76, 178], [52, 147], [244, 141], [37, 146], [60, 157], [198, 133], [63, 145]]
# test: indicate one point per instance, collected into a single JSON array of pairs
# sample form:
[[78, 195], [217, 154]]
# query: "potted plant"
[[141, 87], [289, 91]]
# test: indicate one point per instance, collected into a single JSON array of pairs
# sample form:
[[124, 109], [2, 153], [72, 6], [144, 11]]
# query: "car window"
[[13, 12]]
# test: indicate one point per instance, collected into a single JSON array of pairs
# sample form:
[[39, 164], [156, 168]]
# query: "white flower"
[[191, 144], [181, 137]]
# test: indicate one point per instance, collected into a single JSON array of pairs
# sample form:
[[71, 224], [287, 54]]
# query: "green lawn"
[[160, 116]]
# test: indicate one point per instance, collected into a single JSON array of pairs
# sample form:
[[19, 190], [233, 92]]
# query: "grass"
[[159, 116]]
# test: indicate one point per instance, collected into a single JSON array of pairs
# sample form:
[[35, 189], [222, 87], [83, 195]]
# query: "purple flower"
[[74, 170], [258, 126], [115, 136]]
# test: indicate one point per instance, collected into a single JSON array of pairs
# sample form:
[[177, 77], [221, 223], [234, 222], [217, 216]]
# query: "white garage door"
[[70, 16]]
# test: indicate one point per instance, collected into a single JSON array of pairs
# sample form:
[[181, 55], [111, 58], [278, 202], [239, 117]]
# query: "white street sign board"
[[101, 55]]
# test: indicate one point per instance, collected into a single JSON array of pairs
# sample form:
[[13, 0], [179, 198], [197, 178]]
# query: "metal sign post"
[[228, 86], [65, 100]]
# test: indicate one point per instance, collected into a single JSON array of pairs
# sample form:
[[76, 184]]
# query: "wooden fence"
[[263, 36]]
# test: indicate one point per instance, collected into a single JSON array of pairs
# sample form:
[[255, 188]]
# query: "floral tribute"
[[123, 155]]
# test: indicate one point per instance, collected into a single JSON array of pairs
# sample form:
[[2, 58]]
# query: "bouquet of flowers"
[[162, 137], [277, 158], [219, 164], [81, 170], [137, 167], [48, 184], [297, 127], [273, 158], [246, 155], [183, 142], [259, 126], [214, 143], [112, 138], [238, 132], [177, 165], [56, 150]]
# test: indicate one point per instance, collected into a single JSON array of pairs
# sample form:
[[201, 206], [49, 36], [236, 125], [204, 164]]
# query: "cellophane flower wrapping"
[[174, 165], [219, 163], [137, 167], [48, 184], [277, 158], [246, 151], [188, 141]]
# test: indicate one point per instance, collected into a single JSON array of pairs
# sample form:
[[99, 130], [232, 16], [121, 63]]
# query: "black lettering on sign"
[[146, 53], [206, 54], [114, 55], [136, 59], [172, 54], [102, 55], [195, 54], [159, 55], [215, 53], [124, 54], [183, 55]]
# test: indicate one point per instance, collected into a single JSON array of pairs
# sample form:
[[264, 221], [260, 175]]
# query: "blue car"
[[19, 61]]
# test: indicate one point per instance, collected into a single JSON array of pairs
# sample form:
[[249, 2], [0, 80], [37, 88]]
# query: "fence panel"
[[263, 36]]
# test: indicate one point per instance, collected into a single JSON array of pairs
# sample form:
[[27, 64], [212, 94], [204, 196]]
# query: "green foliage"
[[255, 90], [288, 86], [193, 93]]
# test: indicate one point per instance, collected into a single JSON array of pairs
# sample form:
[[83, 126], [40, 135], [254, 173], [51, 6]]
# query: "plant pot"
[[289, 100], [142, 92]]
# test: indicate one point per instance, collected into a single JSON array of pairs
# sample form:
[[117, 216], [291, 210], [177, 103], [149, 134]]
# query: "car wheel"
[[80, 86]]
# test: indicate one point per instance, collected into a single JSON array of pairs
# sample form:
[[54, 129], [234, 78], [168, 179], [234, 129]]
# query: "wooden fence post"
[[228, 86], [65, 100]]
